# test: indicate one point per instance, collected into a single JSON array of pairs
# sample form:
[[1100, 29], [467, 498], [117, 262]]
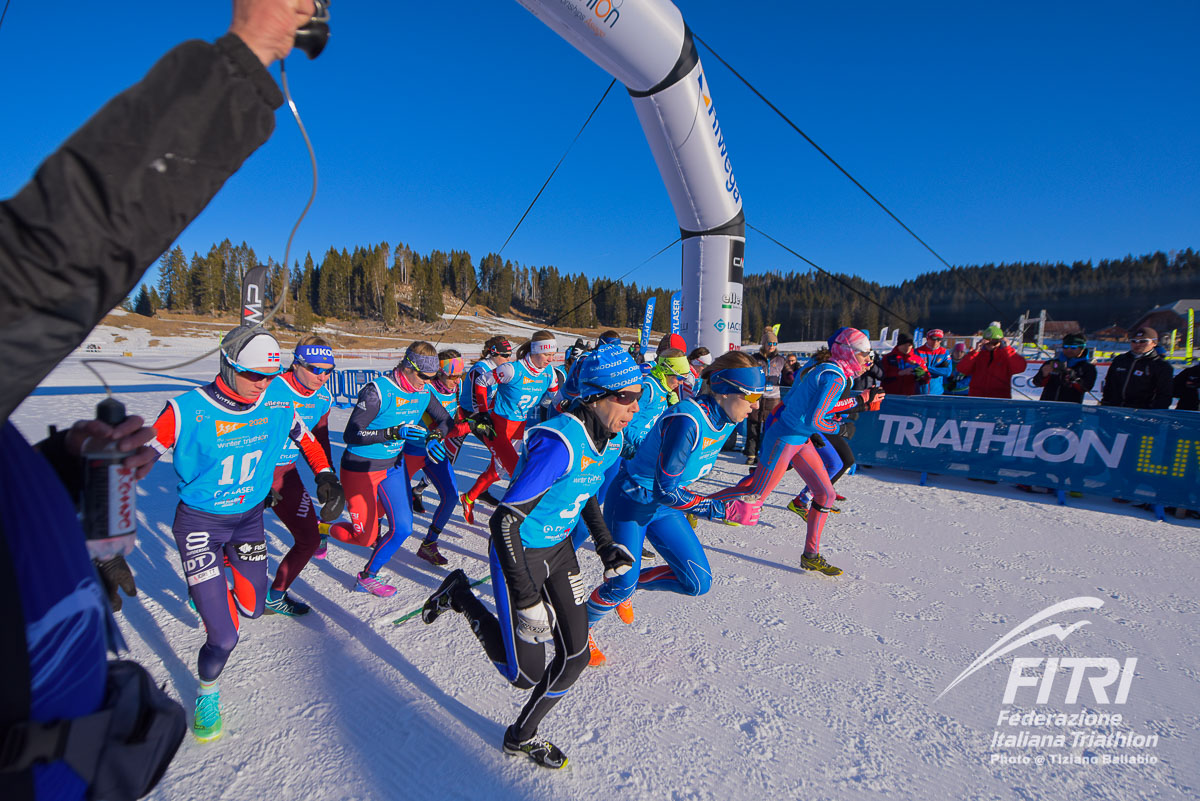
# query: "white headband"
[[706, 359], [543, 346]]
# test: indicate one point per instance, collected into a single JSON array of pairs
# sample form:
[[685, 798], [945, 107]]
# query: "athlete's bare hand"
[[268, 27], [131, 435]]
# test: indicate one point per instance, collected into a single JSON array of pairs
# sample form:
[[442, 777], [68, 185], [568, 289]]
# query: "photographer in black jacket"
[[1140, 378], [73, 243], [1070, 375]]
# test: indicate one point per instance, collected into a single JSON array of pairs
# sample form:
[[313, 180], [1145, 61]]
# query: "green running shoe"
[[800, 510], [206, 724], [814, 561]]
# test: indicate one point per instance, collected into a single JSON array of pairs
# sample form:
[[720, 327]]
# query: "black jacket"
[[1187, 389], [1138, 382], [99, 211], [1067, 382]]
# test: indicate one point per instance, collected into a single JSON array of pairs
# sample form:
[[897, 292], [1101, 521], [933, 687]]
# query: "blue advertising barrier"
[[1144, 456], [348, 383]]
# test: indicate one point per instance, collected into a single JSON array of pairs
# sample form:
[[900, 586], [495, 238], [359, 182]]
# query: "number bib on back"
[[396, 408], [517, 397], [226, 459], [557, 513], [644, 464]]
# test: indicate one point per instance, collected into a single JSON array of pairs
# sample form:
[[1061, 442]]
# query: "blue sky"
[[1026, 131]]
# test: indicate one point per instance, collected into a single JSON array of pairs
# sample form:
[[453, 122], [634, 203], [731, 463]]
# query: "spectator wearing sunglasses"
[[521, 385], [393, 410], [1140, 378], [228, 436], [650, 498], [990, 365], [534, 570], [305, 380], [1070, 375]]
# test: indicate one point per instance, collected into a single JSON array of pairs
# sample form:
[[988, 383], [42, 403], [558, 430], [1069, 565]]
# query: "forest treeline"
[[389, 284]]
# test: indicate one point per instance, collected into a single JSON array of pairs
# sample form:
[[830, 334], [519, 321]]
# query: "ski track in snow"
[[778, 683]]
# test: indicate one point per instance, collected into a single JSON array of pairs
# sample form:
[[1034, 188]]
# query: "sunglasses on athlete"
[[314, 369], [625, 397], [1139, 341]]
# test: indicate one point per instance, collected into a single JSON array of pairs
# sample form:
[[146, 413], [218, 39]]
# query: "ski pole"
[[417, 611]]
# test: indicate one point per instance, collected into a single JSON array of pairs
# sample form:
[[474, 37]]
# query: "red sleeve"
[[309, 446], [459, 428], [967, 363], [321, 432], [164, 430], [479, 394]]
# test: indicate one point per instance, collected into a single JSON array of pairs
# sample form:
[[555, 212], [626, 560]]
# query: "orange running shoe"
[[597, 657], [468, 506], [625, 611]]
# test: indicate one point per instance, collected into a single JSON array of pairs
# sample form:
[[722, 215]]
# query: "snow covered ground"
[[779, 683]]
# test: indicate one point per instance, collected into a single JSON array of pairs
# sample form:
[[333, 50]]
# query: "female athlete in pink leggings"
[[812, 406]]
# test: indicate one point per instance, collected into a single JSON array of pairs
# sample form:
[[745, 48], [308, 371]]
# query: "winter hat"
[[606, 369], [904, 339], [844, 346], [769, 336], [1145, 332], [935, 333], [993, 332], [249, 349]]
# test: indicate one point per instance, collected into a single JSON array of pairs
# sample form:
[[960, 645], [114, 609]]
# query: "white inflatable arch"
[[646, 45]]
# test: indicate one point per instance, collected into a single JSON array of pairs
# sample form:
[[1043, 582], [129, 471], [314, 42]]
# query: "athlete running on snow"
[[521, 384], [444, 389], [812, 406], [388, 414], [312, 365], [535, 577], [650, 497], [227, 437]]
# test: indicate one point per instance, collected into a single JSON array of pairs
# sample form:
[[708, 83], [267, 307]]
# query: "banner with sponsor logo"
[[647, 321], [676, 311], [1137, 455]]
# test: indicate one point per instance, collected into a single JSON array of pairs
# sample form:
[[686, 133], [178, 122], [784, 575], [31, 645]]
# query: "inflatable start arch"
[[646, 45]]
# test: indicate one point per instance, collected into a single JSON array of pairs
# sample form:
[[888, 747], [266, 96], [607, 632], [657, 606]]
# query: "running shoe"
[[625, 611], [206, 723], [285, 605], [368, 583], [468, 507], [814, 561], [323, 546], [443, 597], [430, 553], [543, 752], [799, 509], [596, 657]]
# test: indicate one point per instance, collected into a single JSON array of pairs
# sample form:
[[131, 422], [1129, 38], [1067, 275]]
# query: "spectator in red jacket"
[[903, 368], [991, 364]]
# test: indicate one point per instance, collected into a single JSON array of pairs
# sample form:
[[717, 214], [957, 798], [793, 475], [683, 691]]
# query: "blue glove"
[[414, 435], [435, 451]]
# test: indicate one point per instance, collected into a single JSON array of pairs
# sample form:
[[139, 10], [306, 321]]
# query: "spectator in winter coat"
[[1139, 378], [1068, 376], [991, 365], [870, 377], [903, 369], [937, 362], [1187, 389], [957, 383], [791, 366]]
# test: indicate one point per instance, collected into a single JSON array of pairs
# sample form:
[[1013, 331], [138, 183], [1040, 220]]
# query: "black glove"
[[481, 426], [115, 574], [847, 429], [273, 497], [331, 495], [394, 432], [616, 558]]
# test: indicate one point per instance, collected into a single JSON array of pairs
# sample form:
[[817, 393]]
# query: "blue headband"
[[316, 355], [421, 362], [741, 380]]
